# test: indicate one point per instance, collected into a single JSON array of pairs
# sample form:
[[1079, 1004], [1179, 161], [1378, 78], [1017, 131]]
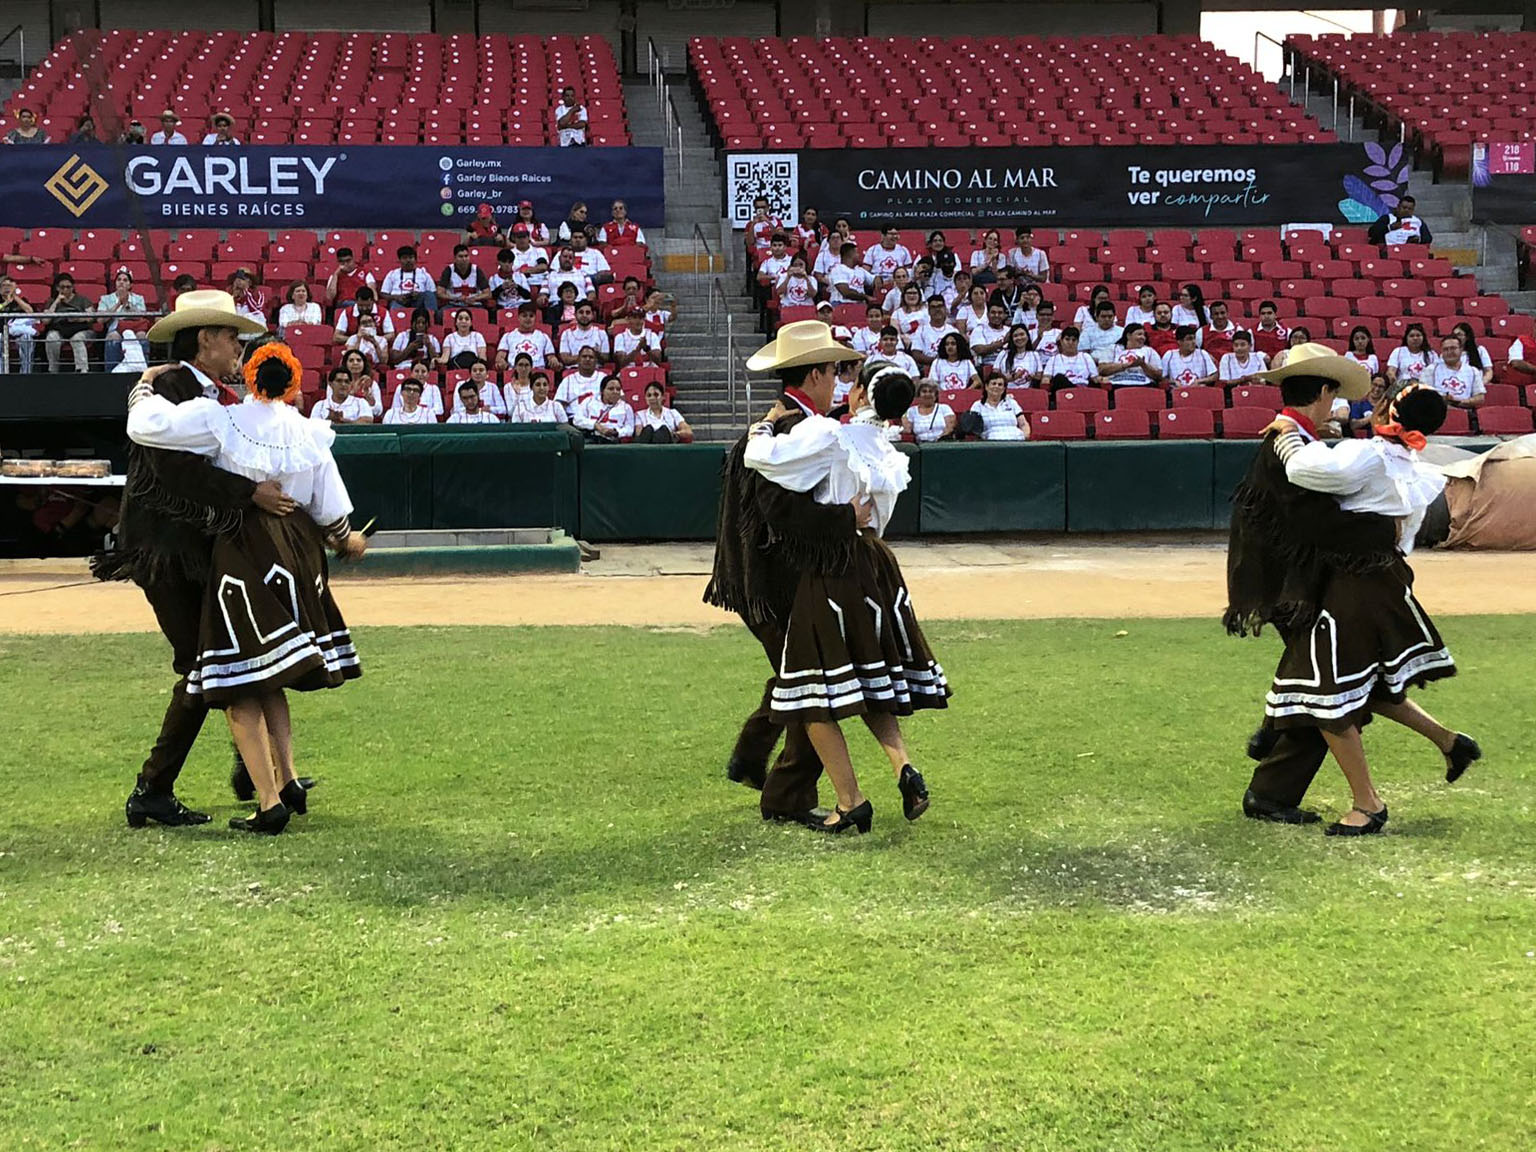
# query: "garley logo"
[[76, 185]]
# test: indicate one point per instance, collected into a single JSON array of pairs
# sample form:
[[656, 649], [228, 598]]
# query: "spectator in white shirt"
[[1399, 226], [988, 260], [1001, 416], [867, 338], [532, 262], [776, 263], [1191, 307], [299, 309], [407, 407], [570, 120], [945, 274], [636, 344], [1144, 311], [463, 346], [1069, 367], [1459, 382], [1472, 352], [924, 346], [585, 381], [566, 272], [467, 407], [621, 231], [884, 258], [660, 309], [830, 254], [889, 350], [585, 334], [590, 260], [1016, 361], [911, 314], [900, 280], [840, 333], [340, 406], [1026, 259], [1140, 366], [972, 313], [409, 286], [369, 341], [1099, 338], [606, 416], [538, 407], [537, 233], [1087, 312], [1362, 349], [953, 368], [464, 284], [850, 283], [509, 287], [223, 133], [1242, 365], [1516, 359], [987, 339], [795, 287], [1413, 359], [418, 345], [121, 301], [250, 301], [659, 423], [1188, 366], [1045, 335], [364, 305], [365, 385], [519, 385], [169, 133], [526, 338], [491, 399], [928, 420], [431, 395]]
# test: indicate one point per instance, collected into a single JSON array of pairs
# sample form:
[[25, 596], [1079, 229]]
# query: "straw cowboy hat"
[[1353, 379], [204, 309], [803, 342]]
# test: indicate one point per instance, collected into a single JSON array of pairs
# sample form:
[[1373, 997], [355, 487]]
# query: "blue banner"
[[336, 186]]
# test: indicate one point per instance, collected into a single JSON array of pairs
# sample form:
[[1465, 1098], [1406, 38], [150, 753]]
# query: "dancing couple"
[[1319, 540], [226, 514], [799, 556]]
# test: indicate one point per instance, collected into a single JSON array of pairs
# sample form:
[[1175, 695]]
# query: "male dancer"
[[173, 504], [766, 536]]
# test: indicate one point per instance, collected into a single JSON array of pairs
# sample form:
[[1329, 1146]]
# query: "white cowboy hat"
[[803, 342], [204, 309], [1353, 378]]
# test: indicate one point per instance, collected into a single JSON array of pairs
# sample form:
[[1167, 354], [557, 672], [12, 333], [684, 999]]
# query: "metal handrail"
[[675, 122], [699, 240], [1257, 36], [21, 46]]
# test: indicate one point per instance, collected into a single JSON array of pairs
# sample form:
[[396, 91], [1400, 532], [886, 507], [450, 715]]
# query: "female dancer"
[[269, 621], [853, 644]]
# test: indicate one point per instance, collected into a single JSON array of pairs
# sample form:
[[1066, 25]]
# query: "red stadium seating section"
[[1443, 89], [868, 92], [332, 87]]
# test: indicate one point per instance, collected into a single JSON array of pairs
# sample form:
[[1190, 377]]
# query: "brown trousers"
[[1284, 776], [178, 607], [791, 784]]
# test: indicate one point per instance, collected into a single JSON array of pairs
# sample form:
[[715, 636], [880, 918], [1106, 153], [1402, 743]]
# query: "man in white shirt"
[[586, 381], [340, 406], [635, 344], [1029, 261], [168, 134], [363, 305], [570, 120], [1045, 335], [468, 409], [566, 272], [889, 350], [589, 260], [986, 339], [491, 399], [409, 286], [867, 338], [1069, 367], [528, 338], [1100, 337], [1188, 366], [1242, 365], [464, 283], [408, 408], [530, 261], [849, 283], [925, 343], [621, 231], [586, 334], [776, 263], [223, 133], [509, 287], [884, 258], [431, 395], [1459, 382], [1399, 226]]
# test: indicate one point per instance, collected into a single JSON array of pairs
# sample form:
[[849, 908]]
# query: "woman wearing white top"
[[431, 394], [928, 420], [988, 259], [1086, 313], [912, 315], [410, 409], [953, 368], [1362, 349], [519, 386], [1001, 416], [1191, 307], [537, 407], [1141, 365], [364, 383], [1413, 359], [973, 313], [658, 423], [607, 417], [795, 287], [299, 309], [269, 621], [1298, 335], [463, 345], [1144, 311], [1015, 360]]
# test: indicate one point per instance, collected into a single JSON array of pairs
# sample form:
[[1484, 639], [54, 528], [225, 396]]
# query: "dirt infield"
[[660, 585]]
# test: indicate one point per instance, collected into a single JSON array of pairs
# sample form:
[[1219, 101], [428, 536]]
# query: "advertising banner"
[[333, 186], [1504, 182], [1153, 186]]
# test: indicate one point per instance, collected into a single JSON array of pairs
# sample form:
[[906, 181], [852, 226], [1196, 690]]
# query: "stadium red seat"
[[1457, 423], [1257, 396], [1196, 398], [1186, 424], [1504, 421], [1140, 399], [1245, 423], [1125, 424], [1081, 400], [1058, 426]]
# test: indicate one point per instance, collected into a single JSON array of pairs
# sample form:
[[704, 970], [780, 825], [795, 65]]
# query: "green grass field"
[[527, 911]]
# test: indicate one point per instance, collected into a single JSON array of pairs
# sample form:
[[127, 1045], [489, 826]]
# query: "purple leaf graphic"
[[1390, 200], [1402, 177], [1395, 155], [1378, 170], [1375, 151], [1384, 185]]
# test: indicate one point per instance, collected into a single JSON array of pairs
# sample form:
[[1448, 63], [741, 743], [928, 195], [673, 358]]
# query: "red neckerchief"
[[1306, 425], [803, 400]]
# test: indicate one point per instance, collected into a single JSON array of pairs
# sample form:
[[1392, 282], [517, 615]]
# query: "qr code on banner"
[[774, 175]]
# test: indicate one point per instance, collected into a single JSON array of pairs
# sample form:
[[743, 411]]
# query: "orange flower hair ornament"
[[280, 352]]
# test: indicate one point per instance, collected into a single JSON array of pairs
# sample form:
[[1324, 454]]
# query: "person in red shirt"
[[1216, 337], [621, 231], [1162, 336], [1270, 336], [763, 225], [483, 229], [349, 276]]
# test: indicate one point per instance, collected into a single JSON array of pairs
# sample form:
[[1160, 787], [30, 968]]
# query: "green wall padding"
[[377, 479], [650, 491], [1004, 487], [1138, 486], [1230, 462]]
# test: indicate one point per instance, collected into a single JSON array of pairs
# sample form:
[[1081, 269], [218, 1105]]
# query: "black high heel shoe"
[[295, 797], [1463, 752], [861, 818], [914, 792], [1377, 823], [268, 823]]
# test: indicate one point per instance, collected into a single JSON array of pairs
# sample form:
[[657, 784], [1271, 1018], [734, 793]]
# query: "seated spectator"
[[850, 282], [528, 260], [840, 332], [959, 293], [365, 385], [122, 300], [830, 254], [1516, 358], [911, 314], [1188, 365], [20, 332], [364, 305], [847, 377], [1472, 352], [250, 301], [340, 406], [1070, 366], [928, 420], [607, 416], [1300, 334], [659, 423], [491, 399], [1086, 312], [660, 309], [810, 232], [417, 345], [867, 338], [223, 133], [509, 287], [169, 133], [1026, 259], [463, 346], [776, 263], [563, 311], [527, 219], [972, 312], [133, 134], [484, 230], [1191, 307], [519, 385], [620, 231], [538, 407], [1143, 311], [1162, 335], [1400, 226], [1139, 364], [924, 344], [1271, 337], [922, 278], [369, 340], [570, 120], [1362, 349], [1100, 338], [409, 286], [585, 381], [467, 409], [526, 339], [889, 254], [1045, 336], [463, 283], [431, 395], [1016, 361], [763, 225], [1360, 410], [298, 308], [1459, 382], [565, 272], [85, 131], [1000, 416], [62, 331], [953, 368], [795, 287], [349, 276], [590, 260], [26, 130], [988, 260], [633, 300], [1242, 365], [1216, 337], [946, 271], [1008, 289], [407, 407], [1410, 361], [889, 350], [586, 333], [637, 344], [987, 339], [576, 224]]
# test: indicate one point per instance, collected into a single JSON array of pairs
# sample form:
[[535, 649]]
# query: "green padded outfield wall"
[[650, 491], [1122, 487], [992, 488]]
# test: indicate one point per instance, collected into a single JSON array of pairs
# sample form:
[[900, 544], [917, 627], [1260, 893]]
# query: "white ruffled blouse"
[[835, 462]]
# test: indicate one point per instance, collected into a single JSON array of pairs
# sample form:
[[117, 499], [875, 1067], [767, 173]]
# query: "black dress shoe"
[[914, 792], [268, 823], [245, 791], [1376, 823], [861, 818], [754, 776], [1463, 752], [295, 797], [808, 817], [1257, 808], [162, 808], [1263, 742]]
